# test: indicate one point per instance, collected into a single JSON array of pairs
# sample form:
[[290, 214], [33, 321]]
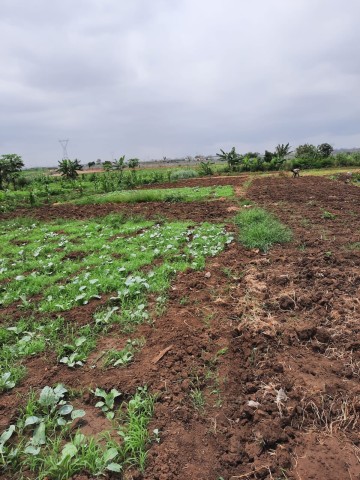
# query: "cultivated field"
[[183, 333]]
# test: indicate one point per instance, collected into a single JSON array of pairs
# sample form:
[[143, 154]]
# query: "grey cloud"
[[176, 78]]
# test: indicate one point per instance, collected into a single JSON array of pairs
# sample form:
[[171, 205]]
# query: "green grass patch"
[[260, 229], [186, 194], [353, 246]]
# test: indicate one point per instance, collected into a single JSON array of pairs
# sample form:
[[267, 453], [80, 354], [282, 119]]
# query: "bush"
[[205, 169], [182, 174], [23, 181]]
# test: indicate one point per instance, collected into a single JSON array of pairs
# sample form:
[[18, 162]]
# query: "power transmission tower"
[[64, 144]]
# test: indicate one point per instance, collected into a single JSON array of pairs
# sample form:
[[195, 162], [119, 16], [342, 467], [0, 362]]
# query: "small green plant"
[[75, 356], [134, 432], [44, 415], [197, 398], [259, 229], [124, 356], [353, 246], [108, 402], [11, 376], [328, 215], [6, 383]]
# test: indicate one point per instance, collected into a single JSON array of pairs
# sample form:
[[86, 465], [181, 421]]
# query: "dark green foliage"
[[268, 156], [68, 168], [133, 163], [232, 158], [119, 164], [325, 150], [107, 165], [307, 151], [10, 168], [205, 169]]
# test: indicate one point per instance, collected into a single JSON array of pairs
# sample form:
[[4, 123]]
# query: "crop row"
[[128, 259]]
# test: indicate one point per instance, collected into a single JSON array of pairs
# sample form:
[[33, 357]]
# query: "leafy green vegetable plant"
[[107, 404]]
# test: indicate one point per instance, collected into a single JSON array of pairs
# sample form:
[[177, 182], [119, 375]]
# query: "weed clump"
[[181, 174], [260, 229]]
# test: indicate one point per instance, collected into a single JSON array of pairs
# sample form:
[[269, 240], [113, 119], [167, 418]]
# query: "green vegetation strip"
[[68, 263], [46, 442], [260, 229], [186, 194]]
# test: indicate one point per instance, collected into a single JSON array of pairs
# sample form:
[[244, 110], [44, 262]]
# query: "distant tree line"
[[69, 168], [304, 156]]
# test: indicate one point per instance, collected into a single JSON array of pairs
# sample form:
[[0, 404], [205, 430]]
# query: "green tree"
[[268, 156], [307, 150], [232, 158], [10, 168], [107, 165], [68, 168], [120, 164], [252, 155], [281, 152], [91, 164], [325, 150], [133, 163]]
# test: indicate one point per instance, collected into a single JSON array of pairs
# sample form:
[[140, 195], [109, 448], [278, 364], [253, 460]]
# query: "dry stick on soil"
[[250, 474], [161, 354]]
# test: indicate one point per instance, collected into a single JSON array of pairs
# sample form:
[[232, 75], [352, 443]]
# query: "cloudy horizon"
[[153, 79]]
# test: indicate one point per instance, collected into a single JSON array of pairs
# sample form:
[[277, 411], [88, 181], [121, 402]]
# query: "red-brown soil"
[[280, 330], [210, 211]]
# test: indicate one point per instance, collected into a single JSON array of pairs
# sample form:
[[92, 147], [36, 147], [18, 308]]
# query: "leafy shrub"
[[205, 169], [182, 174]]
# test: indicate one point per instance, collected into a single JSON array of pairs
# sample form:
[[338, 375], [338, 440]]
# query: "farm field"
[[151, 340]]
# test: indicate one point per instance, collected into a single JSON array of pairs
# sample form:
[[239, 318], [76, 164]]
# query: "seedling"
[[107, 404], [104, 318], [5, 381], [48, 412], [197, 399], [328, 215], [75, 358], [123, 357]]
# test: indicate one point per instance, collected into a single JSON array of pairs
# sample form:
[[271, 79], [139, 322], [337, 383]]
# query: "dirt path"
[[269, 343]]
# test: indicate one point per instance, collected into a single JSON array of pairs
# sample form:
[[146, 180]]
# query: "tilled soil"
[[270, 340], [208, 211]]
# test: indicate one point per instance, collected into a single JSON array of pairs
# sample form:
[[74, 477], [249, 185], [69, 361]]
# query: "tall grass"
[[260, 229], [185, 194]]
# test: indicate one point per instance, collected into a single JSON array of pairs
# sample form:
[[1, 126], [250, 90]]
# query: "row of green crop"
[[46, 189], [186, 194], [56, 266], [45, 442]]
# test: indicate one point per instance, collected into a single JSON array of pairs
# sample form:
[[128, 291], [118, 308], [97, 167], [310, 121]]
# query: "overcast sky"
[[154, 78]]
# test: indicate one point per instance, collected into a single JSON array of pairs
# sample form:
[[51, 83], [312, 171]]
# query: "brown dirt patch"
[[212, 181], [214, 211]]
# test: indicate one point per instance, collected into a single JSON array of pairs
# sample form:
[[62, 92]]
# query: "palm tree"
[[281, 152], [232, 158], [68, 168]]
